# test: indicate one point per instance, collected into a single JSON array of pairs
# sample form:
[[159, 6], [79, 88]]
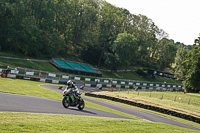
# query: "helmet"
[[69, 83]]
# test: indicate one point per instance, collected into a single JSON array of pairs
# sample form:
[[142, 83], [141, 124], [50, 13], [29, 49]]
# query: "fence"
[[175, 97], [50, 77]]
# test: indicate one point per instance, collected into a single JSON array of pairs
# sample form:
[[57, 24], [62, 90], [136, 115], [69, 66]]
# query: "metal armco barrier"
[[109, 83], [54, 81], [149, 107]]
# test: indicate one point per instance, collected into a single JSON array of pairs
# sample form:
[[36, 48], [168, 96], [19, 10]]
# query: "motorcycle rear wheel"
[[81, 105], [65, 102]]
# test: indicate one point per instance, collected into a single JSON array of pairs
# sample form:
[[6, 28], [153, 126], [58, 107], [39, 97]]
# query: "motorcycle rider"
[[75, 89]]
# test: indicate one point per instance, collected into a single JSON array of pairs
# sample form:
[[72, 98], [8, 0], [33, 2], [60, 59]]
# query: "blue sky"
[[179, 18]]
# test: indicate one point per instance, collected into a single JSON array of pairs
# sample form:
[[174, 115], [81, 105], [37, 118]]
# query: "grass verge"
[[31, 88], [150, 111], [45, 66], [176, 101], [27, 122]]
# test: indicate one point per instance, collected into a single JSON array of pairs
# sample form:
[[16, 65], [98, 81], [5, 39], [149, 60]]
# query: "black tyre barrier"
[[35, 79], [19, 77], [27, 78], [149, 107]]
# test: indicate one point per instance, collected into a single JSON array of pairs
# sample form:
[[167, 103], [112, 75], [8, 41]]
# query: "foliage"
[[179, 68], [165, 53], [121, 52], [192, 68], [111, 61], [92, 30], [187, 66], [141, 72], [124, 46]]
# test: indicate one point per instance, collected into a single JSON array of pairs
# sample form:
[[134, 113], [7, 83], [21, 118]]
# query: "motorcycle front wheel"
[[65, 102], [81, 105]]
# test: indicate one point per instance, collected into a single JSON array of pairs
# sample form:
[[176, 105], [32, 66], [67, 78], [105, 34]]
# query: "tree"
[[160, 34], [124, 47], [192, 67], [79, 29], [10, 19], [179, 68], [111, 61], [197, 41], [109, 27], [165, 53]]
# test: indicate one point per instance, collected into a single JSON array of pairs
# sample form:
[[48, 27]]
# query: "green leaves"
[[191, 65], [122, 51], [179, 61], [93, 30], [187, 66]]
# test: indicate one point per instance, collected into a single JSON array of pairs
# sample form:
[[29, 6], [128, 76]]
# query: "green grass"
[[154, 112], [27, 122], [31, 88], [170, 100], [45, 66], [18, 55], [134, 76], [27, 88]]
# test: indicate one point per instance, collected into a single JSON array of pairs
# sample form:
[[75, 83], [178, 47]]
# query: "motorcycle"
[[69, 96]]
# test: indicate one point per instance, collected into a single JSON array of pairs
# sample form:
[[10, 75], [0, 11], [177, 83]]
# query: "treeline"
[[187, 66], [92, 30]]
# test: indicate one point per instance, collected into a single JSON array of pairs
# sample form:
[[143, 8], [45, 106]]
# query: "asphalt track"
[[22, 103], [134, 112]]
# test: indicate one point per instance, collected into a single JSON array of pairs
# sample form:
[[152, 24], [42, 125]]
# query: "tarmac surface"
[[23, 103], [134, 112]]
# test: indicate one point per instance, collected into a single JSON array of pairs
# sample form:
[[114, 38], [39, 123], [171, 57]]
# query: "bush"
[[141, 72]]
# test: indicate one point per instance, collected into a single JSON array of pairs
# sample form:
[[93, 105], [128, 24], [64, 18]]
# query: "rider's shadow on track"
[[85, 111]]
